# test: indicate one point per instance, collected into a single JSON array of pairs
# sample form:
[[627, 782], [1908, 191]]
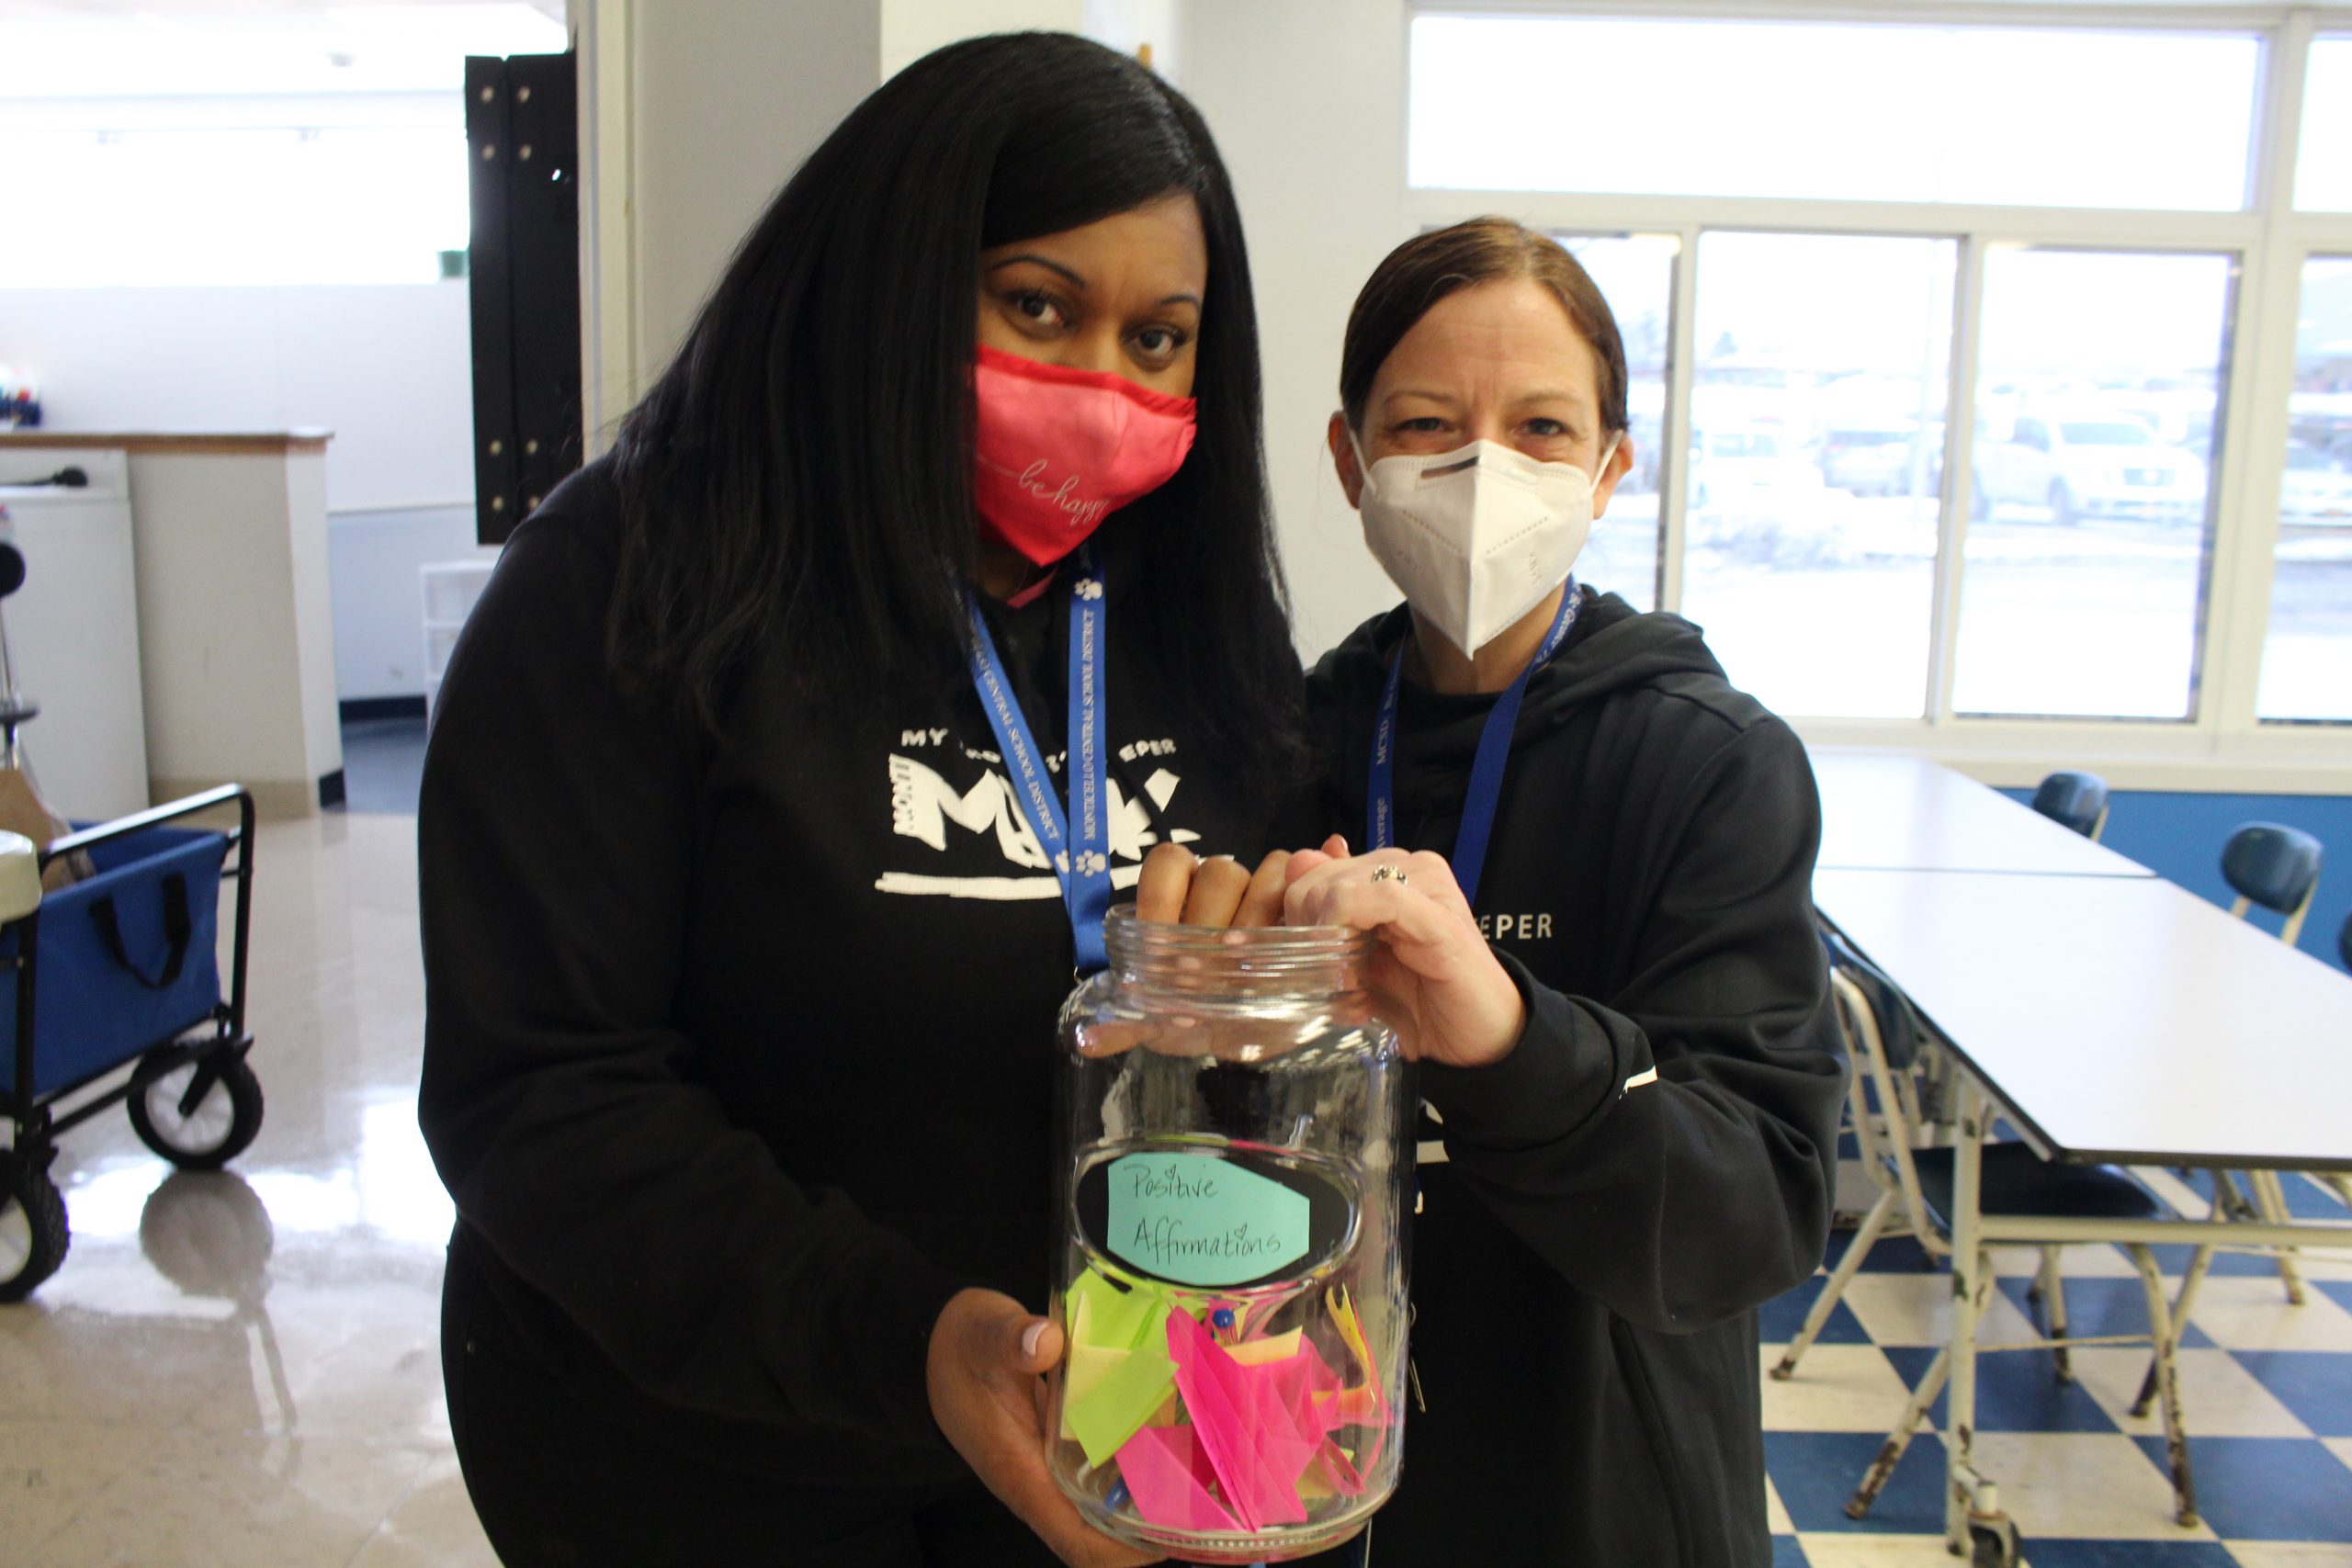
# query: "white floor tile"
[[2077, 1485], [2291, 1554], [2218, 1398], [433, 1527], [1875, 1552], [215, 1502], [50, 1469], [1837, 1388], [2096, 1261], [1776, 1513], [2250, 1311], [1915, 1308]]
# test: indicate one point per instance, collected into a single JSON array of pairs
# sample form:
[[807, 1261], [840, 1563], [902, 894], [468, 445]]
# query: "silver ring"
[[1388, 873]]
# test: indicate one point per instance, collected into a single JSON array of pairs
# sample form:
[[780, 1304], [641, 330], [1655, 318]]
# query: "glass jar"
[[1234, 1158]]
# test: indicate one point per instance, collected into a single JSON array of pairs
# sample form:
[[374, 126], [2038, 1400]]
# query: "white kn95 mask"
[[1476, 537]]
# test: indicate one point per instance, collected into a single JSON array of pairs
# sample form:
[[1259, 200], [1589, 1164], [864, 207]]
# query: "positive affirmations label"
[[1200, 1219]]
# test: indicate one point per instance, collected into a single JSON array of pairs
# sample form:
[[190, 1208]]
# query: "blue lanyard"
[[1469, 856], [1084, 867]]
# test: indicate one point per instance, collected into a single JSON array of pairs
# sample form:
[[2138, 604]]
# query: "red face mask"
[[1057, 450]]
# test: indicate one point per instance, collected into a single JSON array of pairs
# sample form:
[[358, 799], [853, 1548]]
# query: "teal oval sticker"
[[1199, 1219]]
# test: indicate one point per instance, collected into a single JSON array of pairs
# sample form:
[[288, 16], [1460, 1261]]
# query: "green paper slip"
[[1107, 1395], [1119, 1371]]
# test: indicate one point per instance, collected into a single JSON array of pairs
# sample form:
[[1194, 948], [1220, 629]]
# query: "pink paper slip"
[[1167, 1474]]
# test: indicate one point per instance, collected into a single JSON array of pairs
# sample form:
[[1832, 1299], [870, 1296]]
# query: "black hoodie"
[[738, 1057], [1594, 1243]]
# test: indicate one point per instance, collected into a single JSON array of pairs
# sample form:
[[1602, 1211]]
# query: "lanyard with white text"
[[1083, 865], [1469, 855]]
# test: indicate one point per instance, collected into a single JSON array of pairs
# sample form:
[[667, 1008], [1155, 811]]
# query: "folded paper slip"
[[1119, 1371]]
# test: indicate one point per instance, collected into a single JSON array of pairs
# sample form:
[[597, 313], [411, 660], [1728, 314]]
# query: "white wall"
[[912, 28], [1305, 99], [693, 115], [387, 367], [379, 611], [728, 97]]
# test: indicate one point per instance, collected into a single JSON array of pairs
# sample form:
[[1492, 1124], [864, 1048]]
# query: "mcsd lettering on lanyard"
[[1469, 857], [1078, 846]]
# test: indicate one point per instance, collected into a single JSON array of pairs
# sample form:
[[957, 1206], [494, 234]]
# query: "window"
[[1636, 274], [1838, 111], [2038, 246], [2309, 648], [312, 204], [1816, 464], [2098, 378], [290, 145], [2324, 164]]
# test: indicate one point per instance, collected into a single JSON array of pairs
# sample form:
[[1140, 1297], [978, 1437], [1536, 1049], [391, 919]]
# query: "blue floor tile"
[[1849, 1146], [2340, 1291], [2042, 1553], [1892, 1255], [2016, 1391], [1778, 1320], [2314, 1384], [1787, 1553], [2173, 1258], [2265, 1488], [1815, 1472], [2097, 1306], [2305, 1199]]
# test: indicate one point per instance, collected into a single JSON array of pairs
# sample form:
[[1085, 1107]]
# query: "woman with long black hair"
[[774, 795]]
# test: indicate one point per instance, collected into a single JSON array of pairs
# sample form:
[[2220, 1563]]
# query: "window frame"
[[2224, 744]]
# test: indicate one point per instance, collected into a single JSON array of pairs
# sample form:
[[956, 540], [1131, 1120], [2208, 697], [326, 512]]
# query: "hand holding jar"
[[1450, 997]]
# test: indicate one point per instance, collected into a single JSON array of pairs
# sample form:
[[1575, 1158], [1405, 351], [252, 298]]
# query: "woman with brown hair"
[[1590, 859]]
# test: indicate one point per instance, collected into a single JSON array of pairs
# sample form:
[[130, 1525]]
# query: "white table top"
[[1907, 814], [2118, 1018]]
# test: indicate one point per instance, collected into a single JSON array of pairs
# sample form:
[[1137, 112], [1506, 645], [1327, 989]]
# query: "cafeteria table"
[[1890, 813], [2110, 1017]]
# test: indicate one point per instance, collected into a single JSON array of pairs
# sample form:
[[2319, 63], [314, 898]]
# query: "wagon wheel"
[[197, 1110], [33, 1237]]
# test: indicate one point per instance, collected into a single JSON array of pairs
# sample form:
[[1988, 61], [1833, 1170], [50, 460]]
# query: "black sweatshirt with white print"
[[740, 1055], [1655, 1157]]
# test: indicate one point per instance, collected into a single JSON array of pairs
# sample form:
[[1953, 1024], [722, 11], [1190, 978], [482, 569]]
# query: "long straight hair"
[[800, 475]]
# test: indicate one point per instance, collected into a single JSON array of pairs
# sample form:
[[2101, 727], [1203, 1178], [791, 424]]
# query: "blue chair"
[[1883, 1035], [2074, 800], [2275, 866]]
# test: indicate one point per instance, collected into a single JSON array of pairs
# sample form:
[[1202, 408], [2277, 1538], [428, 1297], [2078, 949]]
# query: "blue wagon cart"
[[121, 970]]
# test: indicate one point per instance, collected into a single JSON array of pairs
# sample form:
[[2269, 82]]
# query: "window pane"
[[282, 205], [2304, 665], [1816, 460], [1843, 111], [2098, 378], [2323, 160], [1636, 274]]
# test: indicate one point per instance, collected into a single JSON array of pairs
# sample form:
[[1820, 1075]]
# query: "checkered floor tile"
[[2266, 1388]]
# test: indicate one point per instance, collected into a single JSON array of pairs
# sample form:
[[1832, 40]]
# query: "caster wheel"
[[1993, 1545]]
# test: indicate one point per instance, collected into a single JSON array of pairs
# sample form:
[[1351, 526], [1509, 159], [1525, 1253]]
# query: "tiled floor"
[[241, 1370], [2266, 1388]]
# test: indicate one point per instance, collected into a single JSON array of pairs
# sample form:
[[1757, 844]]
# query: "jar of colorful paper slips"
[[1234, 1165]]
